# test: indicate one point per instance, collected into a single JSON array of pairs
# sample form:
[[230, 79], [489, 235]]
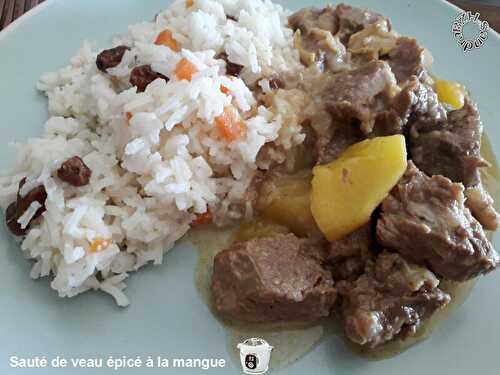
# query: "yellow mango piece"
[[346, 192], [450, 92], [290, 204], [258, 229]]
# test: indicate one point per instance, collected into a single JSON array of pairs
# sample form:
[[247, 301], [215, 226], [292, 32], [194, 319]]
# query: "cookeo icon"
[[255, 355]]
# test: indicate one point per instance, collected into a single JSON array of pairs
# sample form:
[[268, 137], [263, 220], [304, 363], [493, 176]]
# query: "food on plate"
[[451, 93], [354, 184], [352, 176], [286, 199], [425, 220], [279, 278], [390, 298]]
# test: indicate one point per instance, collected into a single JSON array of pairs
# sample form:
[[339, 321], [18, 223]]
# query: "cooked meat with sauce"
[[450, 147], [391, 299], [480, 203], [353, 96], [272, 279], [406, 59], [418, 101], [425, 219], [352, 20], [341, 20], [323, 35], [380, 116], [331, 142], [349, 255], [379, 225]]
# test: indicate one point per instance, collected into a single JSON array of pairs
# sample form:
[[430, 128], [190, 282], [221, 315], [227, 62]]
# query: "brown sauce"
[[292, 341]]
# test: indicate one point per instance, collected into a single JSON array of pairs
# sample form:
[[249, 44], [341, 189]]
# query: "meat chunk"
[[311, 18], [323, 34], [426, 221], [387, 123], [418, 101], [110, 58], [480, 203], [351, 20], [319, 47], [415, 102], [358, 242], [75, 172], [315, 40], [142, 76], [407, 59], [451, 147], [390, 300], [331, 142], [355, 95], [279, 278], [16, 209], [349, 255]]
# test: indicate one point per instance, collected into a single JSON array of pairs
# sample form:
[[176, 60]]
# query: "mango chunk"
[[290, 204], [450, 92], [346, 192]]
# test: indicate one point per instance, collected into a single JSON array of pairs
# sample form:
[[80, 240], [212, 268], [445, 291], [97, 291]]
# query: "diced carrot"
[[224, 89], [129, 115], [185, 69], [99, 244], [165, 38], [230, 124], [189, 3], [202, 219]]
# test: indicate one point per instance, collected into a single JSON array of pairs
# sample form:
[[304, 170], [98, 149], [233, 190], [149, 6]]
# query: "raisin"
[[143, 75], [11, 220], [75, 172], [276, 83], [37, 194], [232, 69], [110, 58], [16, 209]]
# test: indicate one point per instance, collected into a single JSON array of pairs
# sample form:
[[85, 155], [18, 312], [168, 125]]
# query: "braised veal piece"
[[272, 279], [425, 219], [450, 146], [349, 255], [390, 299]]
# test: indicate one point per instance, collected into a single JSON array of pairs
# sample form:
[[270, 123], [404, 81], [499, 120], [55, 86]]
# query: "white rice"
[[153, 174]]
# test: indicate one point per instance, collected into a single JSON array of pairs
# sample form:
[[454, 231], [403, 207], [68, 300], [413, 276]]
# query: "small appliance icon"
[[255, 355]]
